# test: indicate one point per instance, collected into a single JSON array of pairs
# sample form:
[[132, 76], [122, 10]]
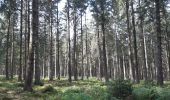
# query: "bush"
[[148, 83], [48, 89], [39, 83], [164, 95], [74, 90], [141, 93], [120, 88], [153, 93], [75, 95], [98, 92]]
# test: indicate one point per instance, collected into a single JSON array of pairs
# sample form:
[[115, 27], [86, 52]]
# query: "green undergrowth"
[[150, 91], [91, 89]]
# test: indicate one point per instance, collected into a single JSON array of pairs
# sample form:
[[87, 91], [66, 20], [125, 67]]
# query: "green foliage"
[[120, 88]]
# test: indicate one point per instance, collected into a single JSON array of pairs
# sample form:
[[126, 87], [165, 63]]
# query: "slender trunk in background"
[[135, 44]]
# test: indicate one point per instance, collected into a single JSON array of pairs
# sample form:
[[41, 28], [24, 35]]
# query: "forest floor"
[[91, 89], [53, 90]]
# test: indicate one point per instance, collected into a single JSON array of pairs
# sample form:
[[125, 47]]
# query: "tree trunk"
[[58, 41], [131, 63], [135, 44], [51, 45], [158, 44], [20, 60], [69, 44], [33, 37], [82, 54], [7, 47], [37, 66], [104, 43], [75, 47], [26, 36], [87, 54], [143, 43]]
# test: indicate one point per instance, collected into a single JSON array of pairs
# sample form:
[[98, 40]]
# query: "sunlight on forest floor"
[[91, 89]]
